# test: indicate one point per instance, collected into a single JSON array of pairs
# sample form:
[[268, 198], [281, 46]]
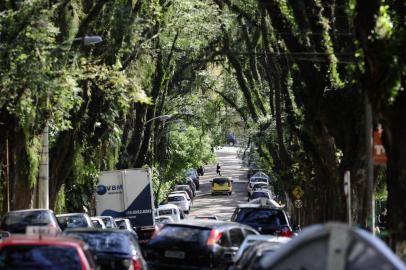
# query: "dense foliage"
[[304, 82]]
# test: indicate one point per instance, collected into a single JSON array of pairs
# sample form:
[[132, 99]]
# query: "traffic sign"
[[298, 192], [298, 203]]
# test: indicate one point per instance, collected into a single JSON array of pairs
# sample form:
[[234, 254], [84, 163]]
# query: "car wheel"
[[230, 193], [248, 194], [212, 194]]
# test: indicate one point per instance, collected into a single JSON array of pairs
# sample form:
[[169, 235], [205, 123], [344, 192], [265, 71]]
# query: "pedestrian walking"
[[218, 169]]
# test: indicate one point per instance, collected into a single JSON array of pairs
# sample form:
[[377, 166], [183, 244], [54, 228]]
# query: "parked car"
[[185, 188], [17, 221], [260, 186], [185, 193], [264, 217], [191, 184], [33, 252], [260, 194], [114, 248], [98, 222], [222, 185], [254, 240], [194, 175], [74, 220], [255, 179], [196, 244], [109, 221], [170, 210], [163, 220], [180, 201], [200, 170]]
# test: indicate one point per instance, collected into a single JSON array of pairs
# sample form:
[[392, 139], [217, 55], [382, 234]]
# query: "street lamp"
[[43, 183]]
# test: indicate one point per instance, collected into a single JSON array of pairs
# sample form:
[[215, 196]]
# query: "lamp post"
[[43, 183]]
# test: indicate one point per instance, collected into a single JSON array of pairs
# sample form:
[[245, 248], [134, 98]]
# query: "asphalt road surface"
[[222, 205]]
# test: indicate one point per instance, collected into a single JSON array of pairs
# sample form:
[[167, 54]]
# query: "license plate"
[[175, 254]]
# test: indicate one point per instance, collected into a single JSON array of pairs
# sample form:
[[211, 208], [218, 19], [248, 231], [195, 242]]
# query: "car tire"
[[230, 193], [212, 194]]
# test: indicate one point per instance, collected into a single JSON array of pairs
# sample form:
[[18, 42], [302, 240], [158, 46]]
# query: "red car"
[[44, 252]]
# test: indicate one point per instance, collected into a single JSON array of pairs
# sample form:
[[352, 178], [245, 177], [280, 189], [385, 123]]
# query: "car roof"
[[104, 216], [93, 230], [71, 215], [29, 210], [167, 206], [176, 195], [206, 223], [42, 239]]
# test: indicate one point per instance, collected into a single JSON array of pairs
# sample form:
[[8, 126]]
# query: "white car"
[[263, 193], [163, 219], [258, 239], [170, 210], [186, 194], [98, 222], [259, 186], [180, 201], [255, 180]]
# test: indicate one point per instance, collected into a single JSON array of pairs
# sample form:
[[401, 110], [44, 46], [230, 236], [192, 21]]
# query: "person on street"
[[218, 169], [382, 221]]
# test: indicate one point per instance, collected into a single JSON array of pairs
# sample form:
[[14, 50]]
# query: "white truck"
[[127, 194]]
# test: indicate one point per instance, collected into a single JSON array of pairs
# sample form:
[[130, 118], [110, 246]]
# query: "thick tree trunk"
[[395, 144]]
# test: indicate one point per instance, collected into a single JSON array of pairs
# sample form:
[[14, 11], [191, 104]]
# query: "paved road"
[[222, 205]]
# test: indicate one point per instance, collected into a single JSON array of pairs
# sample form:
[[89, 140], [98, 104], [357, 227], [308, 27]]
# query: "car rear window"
[[261, 216], [184, 233], [73, 221], [175, 199], [105, 242], [220, 181], [165, 212], [259, 179], [39, 257], [108, 222], [28, 218]]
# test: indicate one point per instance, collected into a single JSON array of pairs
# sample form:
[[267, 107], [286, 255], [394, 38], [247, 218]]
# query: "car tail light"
[[286, 232], [136, 263], [214, 236]]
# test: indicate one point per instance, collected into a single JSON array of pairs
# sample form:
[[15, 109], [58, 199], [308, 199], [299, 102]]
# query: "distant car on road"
[[17, 221], [260, 186], [74, 220], [113, 248], [125, 224], [264, 217], [163, 219], [45, 252], [185, 193], [222, 185], [196, 244]]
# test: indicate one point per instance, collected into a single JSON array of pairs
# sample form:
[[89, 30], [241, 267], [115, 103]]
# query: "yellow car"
[[221, 185]]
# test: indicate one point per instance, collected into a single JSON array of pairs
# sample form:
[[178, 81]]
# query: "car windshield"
[[28, 218], [260, 195], [120, 223], [261, 216], [39, 257], [78, 221], [105, 242], [176, 198], [184, 233], [220, 181], [165, 212]]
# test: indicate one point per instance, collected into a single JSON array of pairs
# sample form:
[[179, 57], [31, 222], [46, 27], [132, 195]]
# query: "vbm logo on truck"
[[110, 189]]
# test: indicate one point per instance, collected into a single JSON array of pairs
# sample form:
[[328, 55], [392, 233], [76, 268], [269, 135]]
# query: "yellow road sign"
[[298, 192]]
